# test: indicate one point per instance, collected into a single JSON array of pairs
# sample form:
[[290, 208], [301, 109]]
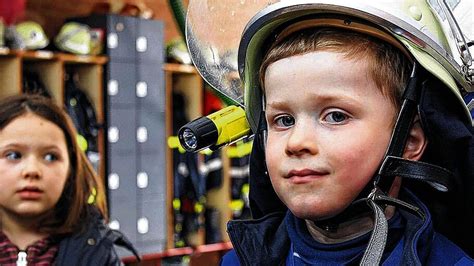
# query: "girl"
[[47, 186]]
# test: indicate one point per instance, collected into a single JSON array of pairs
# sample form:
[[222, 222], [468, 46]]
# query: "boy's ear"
[[416, 142]]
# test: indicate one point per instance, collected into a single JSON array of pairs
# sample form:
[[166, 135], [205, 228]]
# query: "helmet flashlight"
[[215, 130]]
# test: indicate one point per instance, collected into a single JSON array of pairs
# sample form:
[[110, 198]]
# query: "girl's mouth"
[[30, 193]]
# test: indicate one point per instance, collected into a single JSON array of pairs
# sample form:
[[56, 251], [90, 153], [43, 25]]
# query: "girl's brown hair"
[[388, 66], [72, 212]]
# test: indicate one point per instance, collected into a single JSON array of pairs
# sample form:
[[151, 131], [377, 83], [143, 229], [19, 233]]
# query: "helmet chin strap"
[[392, 166]]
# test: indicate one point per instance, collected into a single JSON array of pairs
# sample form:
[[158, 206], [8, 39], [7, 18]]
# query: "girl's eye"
[[13, 155], [284, 121], [336, 117], [50, 157]]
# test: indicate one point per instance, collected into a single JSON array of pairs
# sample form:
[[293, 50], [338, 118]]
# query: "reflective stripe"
[[210, 166], [183, 169], [240, 172], [470, 105]]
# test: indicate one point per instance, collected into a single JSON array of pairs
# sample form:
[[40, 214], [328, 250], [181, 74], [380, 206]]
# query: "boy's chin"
[[314, 215]]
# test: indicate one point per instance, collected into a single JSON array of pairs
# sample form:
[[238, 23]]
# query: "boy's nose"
[[302, 140]]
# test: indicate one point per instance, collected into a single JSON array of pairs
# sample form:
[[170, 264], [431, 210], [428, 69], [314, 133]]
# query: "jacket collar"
[[260, 241], [265, 241]]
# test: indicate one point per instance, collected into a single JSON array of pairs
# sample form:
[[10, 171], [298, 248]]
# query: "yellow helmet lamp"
[[215, 130]]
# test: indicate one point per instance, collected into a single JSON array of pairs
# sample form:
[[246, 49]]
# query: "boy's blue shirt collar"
[[309, 251], [405, 231]]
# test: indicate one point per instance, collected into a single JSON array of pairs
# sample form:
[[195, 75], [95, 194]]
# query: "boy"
[[348, 99], [328, 128]]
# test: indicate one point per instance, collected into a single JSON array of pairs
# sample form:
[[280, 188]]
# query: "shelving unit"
[[51, 67], [187, 81]]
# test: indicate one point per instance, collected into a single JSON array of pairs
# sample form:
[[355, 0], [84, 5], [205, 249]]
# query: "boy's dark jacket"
[[94, 246], [451, 145], [265, 241]]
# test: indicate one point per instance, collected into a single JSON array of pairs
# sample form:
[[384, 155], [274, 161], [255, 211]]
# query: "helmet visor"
[[213, 32]]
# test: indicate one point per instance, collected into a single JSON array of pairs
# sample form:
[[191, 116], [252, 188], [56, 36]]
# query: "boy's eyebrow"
[[320, 98], [275, 104]]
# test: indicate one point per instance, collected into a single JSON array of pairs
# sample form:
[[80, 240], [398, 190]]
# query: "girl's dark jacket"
[[451, 146], [94, 246]]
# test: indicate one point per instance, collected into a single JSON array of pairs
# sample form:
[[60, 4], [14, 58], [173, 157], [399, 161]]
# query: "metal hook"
[[461, 44]]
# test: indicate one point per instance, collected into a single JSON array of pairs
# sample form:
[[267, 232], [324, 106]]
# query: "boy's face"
[[328, 129], [34, 166]]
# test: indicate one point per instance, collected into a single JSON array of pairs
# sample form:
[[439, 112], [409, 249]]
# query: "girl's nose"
[[302, 139], [31, 168]]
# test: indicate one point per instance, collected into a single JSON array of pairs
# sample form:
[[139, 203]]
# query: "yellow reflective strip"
[[240, 150], [237, 204], [176, 204], [198, 207], [206, 151], [245, 189]]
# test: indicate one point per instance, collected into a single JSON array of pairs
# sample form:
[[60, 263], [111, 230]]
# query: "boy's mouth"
[[305, 175]]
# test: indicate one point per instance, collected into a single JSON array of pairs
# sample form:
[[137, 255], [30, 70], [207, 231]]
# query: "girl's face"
[[328, 129], [34, 166]]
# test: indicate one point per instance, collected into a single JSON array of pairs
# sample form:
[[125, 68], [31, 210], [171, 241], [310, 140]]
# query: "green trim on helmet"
[[435, 68], [253, 92], [426, 18]]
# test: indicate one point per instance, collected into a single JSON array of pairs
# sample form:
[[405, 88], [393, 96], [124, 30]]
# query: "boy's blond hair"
[[388, 66]]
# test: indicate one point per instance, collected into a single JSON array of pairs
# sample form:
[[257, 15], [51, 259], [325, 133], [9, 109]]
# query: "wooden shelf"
[[218, 247], [36, 55], [44, 55], [178, 68], [83, 59]]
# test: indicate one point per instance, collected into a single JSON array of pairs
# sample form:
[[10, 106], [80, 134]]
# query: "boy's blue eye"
[[50, 157], [13, 155], [336, 117], [285, 121]]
